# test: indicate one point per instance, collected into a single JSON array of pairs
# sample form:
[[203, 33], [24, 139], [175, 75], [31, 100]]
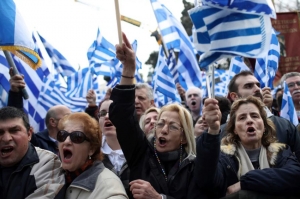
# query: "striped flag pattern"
[[287, 107]]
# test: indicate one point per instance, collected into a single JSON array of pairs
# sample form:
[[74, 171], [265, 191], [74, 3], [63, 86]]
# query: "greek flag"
[[176, 38], [287, 107], [260, 7], [266, 68], [38, 47], [61, 64], [164, 81], [229, 33], [15, 36], [237, 65]]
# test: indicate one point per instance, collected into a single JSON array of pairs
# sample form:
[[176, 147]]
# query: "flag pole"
[[213, 81], [118, 17], [15, 70]]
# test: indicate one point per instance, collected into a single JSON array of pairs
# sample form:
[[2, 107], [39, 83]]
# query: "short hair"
[[269, 135], [288, 75], [148, 89], [199, 91], [50, 114], [91, 130], [143, 117], [187, 124], [9, 112], [232, 87]]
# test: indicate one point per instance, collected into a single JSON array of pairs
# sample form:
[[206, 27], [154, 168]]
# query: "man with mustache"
[[245, 84], [292, 80]]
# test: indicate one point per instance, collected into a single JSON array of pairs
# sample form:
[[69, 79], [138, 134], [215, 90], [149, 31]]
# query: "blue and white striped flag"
[[164, 81], [15, 36], [230, 33], [38, 47], [237, 65], [266, 68], [287, 107], [61, 64], [260, 7], [175, 37]]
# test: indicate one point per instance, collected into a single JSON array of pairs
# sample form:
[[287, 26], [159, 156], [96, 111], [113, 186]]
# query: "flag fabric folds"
[[230, 33], [175, 38], [15, 36], [287, 107]]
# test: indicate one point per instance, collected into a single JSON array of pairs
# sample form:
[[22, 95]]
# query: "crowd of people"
[[125, 147]]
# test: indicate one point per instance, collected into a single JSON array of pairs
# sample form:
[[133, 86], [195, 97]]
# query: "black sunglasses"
[[75, 136]]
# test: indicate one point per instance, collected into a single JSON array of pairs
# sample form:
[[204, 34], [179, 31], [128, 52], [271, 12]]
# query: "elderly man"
[[245, 84], [45, 139], [143, 98], [292, 80], [193, 97], [25, 171]]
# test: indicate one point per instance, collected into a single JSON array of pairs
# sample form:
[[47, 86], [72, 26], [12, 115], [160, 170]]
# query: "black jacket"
[[286, 133], [218, 168], [123, 174], [139, 152]]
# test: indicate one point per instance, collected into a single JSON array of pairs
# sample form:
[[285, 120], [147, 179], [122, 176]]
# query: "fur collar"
[[272, 151]]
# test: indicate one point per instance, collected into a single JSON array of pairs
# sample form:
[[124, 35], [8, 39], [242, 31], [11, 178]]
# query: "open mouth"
[[250, 130], [108, 124], [296, 92], [67, 154], [162, 141], [6, 150]]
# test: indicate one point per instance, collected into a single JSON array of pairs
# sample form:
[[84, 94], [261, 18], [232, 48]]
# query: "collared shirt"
[[116, 157]]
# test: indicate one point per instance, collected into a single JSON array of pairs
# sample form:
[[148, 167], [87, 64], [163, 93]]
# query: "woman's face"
[[73, 155], [249, 126], [169, 132], [107, 128], [200, 127], [150, 120]]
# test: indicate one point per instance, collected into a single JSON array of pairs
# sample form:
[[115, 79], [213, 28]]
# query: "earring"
[[90, 157]]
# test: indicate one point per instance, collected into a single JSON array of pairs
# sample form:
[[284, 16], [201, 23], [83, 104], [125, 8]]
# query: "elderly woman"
[[114, 158], [160, 168], [79, 149], [249, 158], [148, 120]]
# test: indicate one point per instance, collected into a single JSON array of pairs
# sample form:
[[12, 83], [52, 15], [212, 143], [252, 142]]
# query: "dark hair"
[[232, 87], [91, 130], [269, 135], [9, 112]]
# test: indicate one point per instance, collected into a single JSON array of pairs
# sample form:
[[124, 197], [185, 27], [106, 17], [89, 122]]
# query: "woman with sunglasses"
[[114, 158], [79, 146], [161, 167]]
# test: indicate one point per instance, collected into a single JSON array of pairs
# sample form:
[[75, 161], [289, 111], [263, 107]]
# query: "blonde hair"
[[142, 119], [90, 129], [187, 124]]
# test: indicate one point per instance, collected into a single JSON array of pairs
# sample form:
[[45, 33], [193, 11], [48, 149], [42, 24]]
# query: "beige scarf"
[[245, 163]]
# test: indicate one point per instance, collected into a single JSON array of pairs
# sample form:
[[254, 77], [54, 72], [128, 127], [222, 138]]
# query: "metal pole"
[[15, 70]]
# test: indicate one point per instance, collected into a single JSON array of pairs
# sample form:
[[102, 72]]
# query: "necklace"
[[159, 162]]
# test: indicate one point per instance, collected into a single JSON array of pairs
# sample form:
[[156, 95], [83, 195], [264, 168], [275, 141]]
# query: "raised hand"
[[212, 115], [143, 190], [91, 97], [267, 97], [126, 55], [16, 81]]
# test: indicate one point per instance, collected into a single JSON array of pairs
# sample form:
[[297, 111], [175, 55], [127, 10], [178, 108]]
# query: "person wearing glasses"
[[249, 158], [292, 80], [79, 146], [114, 158], [161, 166]]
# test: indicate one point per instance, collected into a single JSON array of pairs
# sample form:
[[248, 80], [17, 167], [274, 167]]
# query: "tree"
[[152, 59]]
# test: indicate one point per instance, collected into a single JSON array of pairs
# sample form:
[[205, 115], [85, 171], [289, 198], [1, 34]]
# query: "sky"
[[71, 26]]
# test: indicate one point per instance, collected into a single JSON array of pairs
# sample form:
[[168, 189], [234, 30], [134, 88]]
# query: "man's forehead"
[[294, 78], [10, 123], [242, 80], [141, 92]]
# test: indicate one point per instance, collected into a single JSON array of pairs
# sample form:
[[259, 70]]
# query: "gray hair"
[[147, 87], [198, 90], [288, 75]]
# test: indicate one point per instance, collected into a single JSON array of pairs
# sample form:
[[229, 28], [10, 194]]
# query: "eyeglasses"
[[292, 84], [76, 136], [102, 113], [171, 127]]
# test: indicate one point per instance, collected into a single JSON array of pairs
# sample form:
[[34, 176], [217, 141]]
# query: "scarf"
[[246, 164], [70, 176]]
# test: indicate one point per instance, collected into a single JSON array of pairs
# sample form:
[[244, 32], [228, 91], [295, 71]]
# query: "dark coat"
[[42, 140], [139, 152], [286, 133], [218, 168]]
